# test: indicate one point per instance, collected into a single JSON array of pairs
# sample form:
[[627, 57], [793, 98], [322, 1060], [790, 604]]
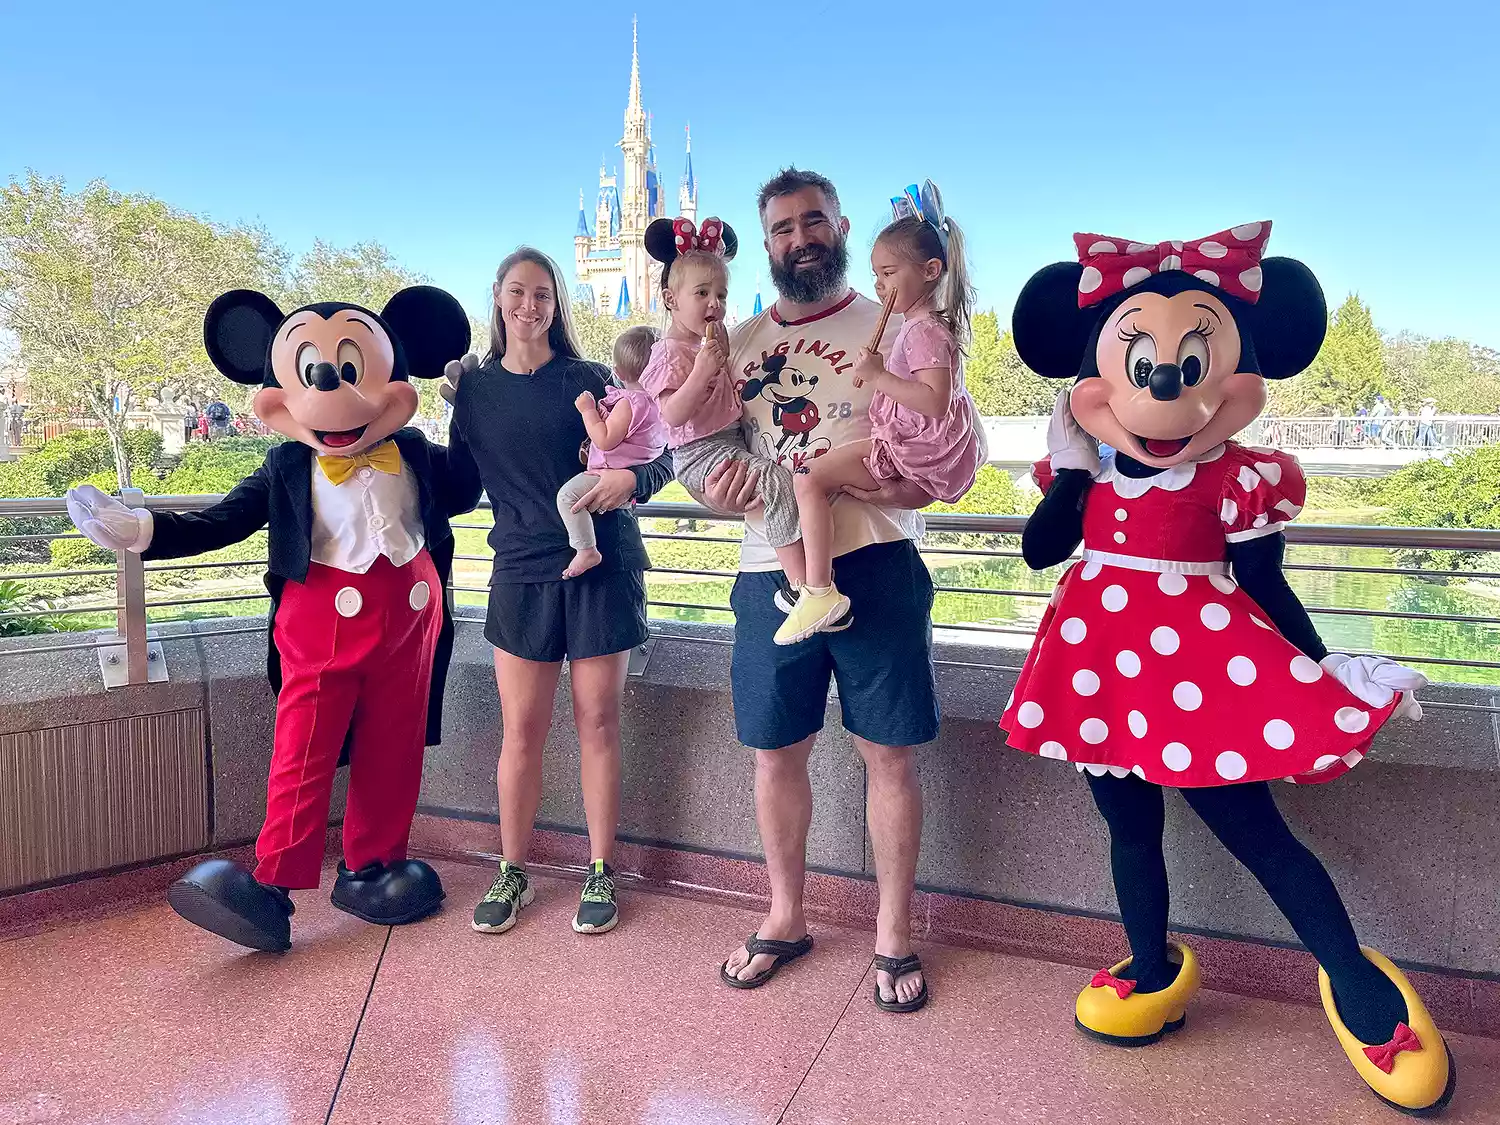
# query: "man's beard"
[[806, 286]]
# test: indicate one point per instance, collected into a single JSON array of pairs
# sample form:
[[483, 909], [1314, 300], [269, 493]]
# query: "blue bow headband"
[[925, 204]]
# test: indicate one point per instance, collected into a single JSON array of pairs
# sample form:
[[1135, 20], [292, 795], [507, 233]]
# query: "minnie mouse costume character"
[[1174, 653], [360, 632]]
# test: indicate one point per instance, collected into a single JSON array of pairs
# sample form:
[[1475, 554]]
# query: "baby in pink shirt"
[[624, 430]]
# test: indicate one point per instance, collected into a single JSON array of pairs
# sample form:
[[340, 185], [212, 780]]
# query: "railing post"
[[130, 590]]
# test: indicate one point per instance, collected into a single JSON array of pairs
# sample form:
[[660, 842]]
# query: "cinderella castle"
[[614, 272]]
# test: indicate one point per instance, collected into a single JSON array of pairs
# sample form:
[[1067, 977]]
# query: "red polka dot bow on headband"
[[1229, 260], [686, 237]]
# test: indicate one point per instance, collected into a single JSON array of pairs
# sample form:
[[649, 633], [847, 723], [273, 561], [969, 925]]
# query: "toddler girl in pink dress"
[[923, 425]]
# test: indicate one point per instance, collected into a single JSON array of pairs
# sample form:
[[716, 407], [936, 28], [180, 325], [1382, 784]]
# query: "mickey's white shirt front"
[[370, 514]]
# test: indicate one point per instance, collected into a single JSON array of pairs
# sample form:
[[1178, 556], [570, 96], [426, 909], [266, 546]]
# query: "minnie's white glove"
[[1375, 680], [107, 522], [1068, 446]]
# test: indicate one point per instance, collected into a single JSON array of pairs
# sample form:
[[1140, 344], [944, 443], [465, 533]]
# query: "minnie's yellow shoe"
[[1414, 1072], [1112, 1010]]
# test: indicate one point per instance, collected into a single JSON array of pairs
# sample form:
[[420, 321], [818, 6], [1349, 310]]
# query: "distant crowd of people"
[[1380, 424], [1397, 426]]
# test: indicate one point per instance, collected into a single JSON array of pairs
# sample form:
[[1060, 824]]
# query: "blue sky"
[[453, 131]]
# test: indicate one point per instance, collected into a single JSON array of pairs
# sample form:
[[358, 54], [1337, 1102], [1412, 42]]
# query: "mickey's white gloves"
[[453, 371], [107, 522]]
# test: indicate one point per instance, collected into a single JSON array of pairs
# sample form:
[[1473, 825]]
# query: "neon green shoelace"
[[599, 887], [506, 888]]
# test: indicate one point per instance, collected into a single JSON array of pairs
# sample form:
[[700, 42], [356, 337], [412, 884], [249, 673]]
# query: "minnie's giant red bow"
[[1229, 260], [687, 237], [1384, 1056], [1102, 979]]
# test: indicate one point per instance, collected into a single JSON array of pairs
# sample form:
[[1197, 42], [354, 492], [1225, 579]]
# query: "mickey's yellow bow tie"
[[385, 457]]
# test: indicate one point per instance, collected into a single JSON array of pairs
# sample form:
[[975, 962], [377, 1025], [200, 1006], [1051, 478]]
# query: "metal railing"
[[1394, 431], [132, 609]]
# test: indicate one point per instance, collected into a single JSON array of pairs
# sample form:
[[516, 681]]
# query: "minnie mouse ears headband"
[[926, 204], [669, 239]]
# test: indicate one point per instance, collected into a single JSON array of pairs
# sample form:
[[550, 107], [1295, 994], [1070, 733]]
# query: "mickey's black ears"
[[237, 331], [773, 365], [661, 242], [1050, 330], [1289, 321], [431, 326], [731, 243]]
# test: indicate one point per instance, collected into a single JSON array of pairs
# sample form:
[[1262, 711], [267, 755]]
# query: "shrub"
[[994, 493], [79, 554], [1459, 491], [216, 466], [14, 598]]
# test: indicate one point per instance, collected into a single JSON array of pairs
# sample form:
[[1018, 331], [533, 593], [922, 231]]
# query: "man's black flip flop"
[[899, 967], [782, 951]]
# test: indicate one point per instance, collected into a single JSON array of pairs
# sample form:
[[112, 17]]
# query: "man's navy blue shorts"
[[882, 663]]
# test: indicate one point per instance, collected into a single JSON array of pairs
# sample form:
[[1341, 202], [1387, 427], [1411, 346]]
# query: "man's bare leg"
[[783, 810], [893, 811]]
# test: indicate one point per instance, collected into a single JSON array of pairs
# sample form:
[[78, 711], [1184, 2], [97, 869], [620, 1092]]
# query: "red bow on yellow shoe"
[[1384, 1056], [1229, 260], [1123, 988]]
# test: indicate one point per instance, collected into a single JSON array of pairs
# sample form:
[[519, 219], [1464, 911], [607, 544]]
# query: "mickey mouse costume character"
[[360, 554], [1174, 653]]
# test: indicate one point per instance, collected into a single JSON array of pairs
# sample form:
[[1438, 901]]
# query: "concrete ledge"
[[1408, 836]]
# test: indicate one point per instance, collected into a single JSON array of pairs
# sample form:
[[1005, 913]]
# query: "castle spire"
[[687, 192], [635, 66]]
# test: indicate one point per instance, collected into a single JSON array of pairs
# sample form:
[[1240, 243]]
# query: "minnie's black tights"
[[1247, 822]]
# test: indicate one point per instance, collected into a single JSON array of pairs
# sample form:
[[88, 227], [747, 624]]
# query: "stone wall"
[[1412, 836]]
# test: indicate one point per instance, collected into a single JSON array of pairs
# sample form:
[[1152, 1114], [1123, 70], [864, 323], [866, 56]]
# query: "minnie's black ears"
[[431, 327], [1050, 330], [1289, 321], [237, 331]]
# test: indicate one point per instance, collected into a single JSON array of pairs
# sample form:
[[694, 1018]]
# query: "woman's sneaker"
[[502, 904], [597, 911]]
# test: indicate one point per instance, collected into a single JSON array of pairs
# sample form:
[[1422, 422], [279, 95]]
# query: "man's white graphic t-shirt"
[[800, 401]]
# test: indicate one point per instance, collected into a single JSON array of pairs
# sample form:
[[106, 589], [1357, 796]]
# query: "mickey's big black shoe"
[[388, 895], [223, 898]]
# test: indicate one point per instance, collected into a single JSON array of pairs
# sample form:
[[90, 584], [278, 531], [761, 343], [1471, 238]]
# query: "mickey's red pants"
[[356, 657]]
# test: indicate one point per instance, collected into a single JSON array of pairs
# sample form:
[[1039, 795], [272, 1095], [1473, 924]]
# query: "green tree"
[[364, 274], [1347, 373], [1462, 491], [106, 291], [597, 331], [998, 381], [1461, 377]]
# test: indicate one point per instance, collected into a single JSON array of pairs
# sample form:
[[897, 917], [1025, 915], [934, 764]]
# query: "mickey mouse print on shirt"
[[794, 379]]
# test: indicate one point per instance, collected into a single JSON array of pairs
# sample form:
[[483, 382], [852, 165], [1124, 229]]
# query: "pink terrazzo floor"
[[139, 1018]]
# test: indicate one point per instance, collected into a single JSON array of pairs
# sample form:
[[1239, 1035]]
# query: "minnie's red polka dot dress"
[[1151, 660]]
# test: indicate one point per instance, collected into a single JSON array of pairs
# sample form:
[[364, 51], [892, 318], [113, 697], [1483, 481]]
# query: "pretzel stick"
[[885, 315]]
